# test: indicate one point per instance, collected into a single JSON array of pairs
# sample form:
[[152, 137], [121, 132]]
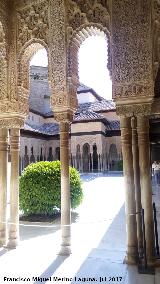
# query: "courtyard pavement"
[[98, 243]]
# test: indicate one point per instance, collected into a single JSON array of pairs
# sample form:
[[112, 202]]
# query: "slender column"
[[98, 162], [92, 163], [89, 162], [3, 184], [65, 189], [137, 184], [14, 189], [145, 181], [130, 206]]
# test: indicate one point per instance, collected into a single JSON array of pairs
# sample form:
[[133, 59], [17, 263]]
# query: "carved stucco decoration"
[[3, 65], [61, 95], [16, 108], [11, 122], [81, 12], [32, 22], [156, 36], [132, 90], [132, 46], [64, 116], [134, 109]]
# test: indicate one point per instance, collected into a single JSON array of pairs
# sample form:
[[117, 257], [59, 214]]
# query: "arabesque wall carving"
[[82, 12], [32, 21], [156, 35], [132, 48], [3, 65]]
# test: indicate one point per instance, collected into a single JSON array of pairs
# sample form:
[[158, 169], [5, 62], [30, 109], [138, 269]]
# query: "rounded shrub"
[[40, 188]]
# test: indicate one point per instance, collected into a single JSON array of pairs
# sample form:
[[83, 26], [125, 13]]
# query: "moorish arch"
[[78, 157], [78, 37], [95, 158], [23, 65], [86, 157], [57, 153]]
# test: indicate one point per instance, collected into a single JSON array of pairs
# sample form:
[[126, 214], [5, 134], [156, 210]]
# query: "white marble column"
[[14, 189], [130, 206], [145, 181], [3, 185], [65, 190], [135, 152]]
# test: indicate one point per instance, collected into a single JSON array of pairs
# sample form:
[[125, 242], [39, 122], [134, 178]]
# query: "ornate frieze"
[[134, 109], [19, 107], [11, 122], [132, 90]]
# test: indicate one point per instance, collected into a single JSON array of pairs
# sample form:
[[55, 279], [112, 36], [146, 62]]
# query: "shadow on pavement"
[[51, 269], [107, 258], [3, 251]]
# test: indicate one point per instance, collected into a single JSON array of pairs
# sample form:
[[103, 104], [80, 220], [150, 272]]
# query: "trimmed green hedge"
[[40, 188]]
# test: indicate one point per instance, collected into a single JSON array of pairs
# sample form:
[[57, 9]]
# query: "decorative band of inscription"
[[132, 90]]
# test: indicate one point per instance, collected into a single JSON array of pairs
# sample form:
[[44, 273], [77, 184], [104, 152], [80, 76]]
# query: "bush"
[[40, 188]]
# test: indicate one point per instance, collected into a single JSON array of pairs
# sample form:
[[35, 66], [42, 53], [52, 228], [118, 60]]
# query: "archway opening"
[[113, 156], [93, 65], [57, 153], [86, 157], [33, 78], [95, 158]]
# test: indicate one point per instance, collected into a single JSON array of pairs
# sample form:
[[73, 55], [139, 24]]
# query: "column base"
[[152, 262], [12, 243], [2, 243], [140, 250], [65, 250], [130, 259], [2, 239]]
